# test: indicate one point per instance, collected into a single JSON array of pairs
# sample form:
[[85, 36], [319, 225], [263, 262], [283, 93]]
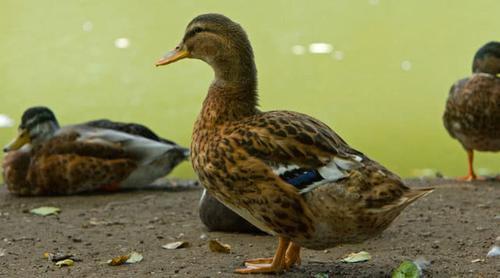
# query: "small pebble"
[[426, 234]]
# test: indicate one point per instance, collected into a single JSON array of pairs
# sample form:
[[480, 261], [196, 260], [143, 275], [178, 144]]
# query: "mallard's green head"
[[37, 125], [487, 59]]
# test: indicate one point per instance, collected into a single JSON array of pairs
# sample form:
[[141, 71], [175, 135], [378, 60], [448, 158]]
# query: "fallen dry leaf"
[[118, 260], [131, 258], [134, 258], [175, 245], [362, 256], [44, 211], [66, 262], [216, 246]]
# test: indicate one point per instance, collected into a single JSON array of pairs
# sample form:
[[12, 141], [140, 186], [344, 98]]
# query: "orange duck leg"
[[268, 265], [471, 176], [292, 257]]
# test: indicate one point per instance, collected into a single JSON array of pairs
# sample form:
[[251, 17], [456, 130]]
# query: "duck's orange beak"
[[173, 56]]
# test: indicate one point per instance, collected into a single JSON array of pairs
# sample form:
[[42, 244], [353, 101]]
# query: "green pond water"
[[381, 81]]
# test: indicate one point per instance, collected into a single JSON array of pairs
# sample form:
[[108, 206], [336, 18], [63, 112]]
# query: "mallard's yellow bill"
[[22, 139], [172, 56]]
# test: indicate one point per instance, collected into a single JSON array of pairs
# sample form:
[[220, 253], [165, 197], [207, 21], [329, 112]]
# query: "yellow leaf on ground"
[[216, 246], [362, 256], [44, 211], [66, 262]]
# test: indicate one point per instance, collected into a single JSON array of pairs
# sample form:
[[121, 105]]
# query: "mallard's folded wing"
[[70, 142], [130, 128], [299, 148]]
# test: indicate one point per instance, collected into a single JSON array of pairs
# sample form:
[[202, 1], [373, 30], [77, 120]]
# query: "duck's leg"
[[264, 265], [471, 176], [292, 257]]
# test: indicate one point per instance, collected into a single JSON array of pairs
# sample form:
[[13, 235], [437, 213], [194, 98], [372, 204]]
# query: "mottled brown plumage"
[[99, 155], [285, 172], [472, 113]]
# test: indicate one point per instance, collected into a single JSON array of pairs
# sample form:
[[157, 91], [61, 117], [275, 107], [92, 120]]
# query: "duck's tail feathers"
[[405, 200], [416, 193]]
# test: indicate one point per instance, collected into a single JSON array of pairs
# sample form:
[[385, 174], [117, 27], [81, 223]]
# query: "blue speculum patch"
[[301, 178]]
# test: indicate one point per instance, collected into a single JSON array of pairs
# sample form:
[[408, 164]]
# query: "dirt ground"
[[453, 226]]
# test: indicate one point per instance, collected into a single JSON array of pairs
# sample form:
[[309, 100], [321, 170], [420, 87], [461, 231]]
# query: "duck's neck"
[[233, 93], [43, 132]]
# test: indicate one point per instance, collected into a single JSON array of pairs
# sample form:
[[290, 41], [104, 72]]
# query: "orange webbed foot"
[[259, 261], [275, 264], [261, 268], [283, 260]]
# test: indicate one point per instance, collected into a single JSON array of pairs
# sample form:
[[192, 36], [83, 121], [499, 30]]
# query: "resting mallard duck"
[[472, 114], [285, 172], [100, 155]]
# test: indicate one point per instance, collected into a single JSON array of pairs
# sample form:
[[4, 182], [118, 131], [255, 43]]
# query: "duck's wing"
[[138, 148], [130, 128], [452, 109], [67, 165], [301, 150], [142, 131], [82, 158]]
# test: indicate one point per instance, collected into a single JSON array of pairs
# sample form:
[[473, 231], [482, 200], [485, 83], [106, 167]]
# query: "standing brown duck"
[[285, 172], [472, 114]]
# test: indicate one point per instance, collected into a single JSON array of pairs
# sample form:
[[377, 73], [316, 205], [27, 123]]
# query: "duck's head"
[[220, 42], [37, 125], [487, 59]]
